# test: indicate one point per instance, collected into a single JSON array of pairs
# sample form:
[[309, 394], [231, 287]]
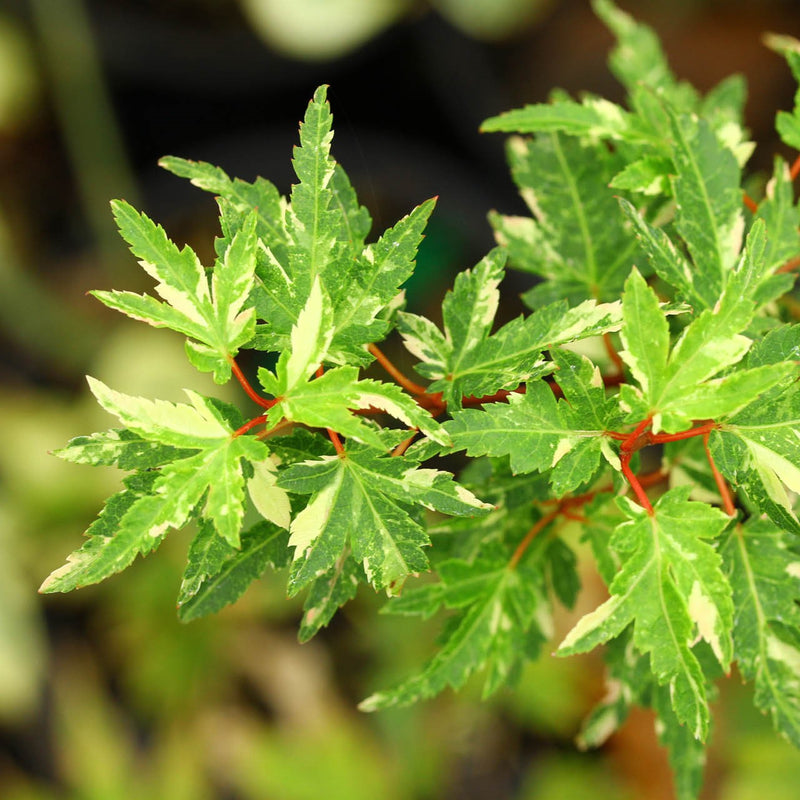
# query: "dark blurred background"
[[103, 695]]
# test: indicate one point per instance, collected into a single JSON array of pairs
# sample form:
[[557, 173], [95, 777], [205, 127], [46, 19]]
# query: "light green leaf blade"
[[181, 279], [594, 118], [207, 553], [214, 473], [223, 471], [503, 608], [645, 335], [687, 754], [196, 425], [781, 217], [373, 283], [104, 552], [720, 398], [468, 311], [119, 447], [638, 59], [585, 408], [313, 221], [579, 243], [231, 284], [512, 355], [326, 402], [359, 504], [218, 575], [648, 175], [147, 309], [310, 338], [220, 322], [528, 428], [260, 196], [401, 478], [707, 189], [537, 433], [506, 358], [269, 500], [764, 572], [328, 593], [344, 510], [665, 258], [758, 450], [672, 587]]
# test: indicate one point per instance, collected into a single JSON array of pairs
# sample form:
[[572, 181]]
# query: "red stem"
[[538, 527], [332, 435], [790, 265], [337, 442], [794, 170], [248, 425], [251, 392], [565, 505], [406, 383], [613, 354], [700, 430], [638, 490], [722, 486], [634, 442], [404, 445], [749, 202]]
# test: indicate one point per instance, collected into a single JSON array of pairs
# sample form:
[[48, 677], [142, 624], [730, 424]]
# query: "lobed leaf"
[[670, 586]]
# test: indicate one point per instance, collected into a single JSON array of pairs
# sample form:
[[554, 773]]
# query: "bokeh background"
[[103, 695]]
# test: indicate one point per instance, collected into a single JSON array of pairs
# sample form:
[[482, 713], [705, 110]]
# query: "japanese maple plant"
[[647, 406]]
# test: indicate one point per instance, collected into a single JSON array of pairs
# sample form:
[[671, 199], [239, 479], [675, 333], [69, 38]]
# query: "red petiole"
[[249, 390]]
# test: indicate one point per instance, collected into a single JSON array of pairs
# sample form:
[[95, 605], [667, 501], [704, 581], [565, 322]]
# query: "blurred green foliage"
[[105, 696]]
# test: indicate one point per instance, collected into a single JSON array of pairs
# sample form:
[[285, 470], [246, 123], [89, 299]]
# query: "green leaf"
[[709, 198], [672, 588], [466, 360], [218, 574], [119, 447], [214, 473], [759, 451], [638, 59], [585, 408], [326, 402], [311, 336], [648, 175], [196, 425], [503, 608], [687, 754], [261, 196], [664, 256], [645, 335], [219, 318], [269, 500], [764, 572], [313, 221], [782, 220], [677, 389], [594, 118], [356, 502], [328, 592], [788, 124], [104, 552], [372, 284], [577, 241], [538, 432], [323, 230]]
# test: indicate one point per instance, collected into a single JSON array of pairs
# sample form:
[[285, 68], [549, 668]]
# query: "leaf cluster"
[[660, 323]]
